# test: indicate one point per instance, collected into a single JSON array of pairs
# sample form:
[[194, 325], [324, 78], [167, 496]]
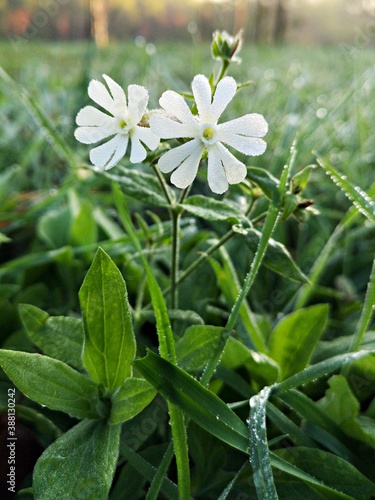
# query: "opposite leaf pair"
[[128, 120]]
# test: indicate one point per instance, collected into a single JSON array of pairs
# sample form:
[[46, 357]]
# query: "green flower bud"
[[226, 47]]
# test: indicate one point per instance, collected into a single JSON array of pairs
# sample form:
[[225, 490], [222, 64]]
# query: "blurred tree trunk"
[[281, 22], [99, 22], [261, 23]]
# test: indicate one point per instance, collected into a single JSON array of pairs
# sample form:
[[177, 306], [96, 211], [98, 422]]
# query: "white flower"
[[242, 134], [122, 123]]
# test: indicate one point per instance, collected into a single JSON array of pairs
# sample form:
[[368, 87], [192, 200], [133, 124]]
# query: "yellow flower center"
[[208, 134], [122, 123]]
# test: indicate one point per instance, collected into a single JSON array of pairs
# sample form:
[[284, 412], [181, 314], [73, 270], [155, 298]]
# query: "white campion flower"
[[243, 134], [123, 123]]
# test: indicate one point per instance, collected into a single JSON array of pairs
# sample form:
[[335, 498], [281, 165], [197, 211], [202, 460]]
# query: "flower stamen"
[[209, 134]]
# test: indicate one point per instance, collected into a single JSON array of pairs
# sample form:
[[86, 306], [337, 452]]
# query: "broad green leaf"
[[139, 185], [197, 402], [54, 226], [197, 345], [277, 257], [342, 406], [319, 370], [260, 367], [265, 181], [294, 338], [336, 474], [43, 428], [339, 401], [130, 399], [212, 210], [317, 486], [80, 464], [109, 346], [328, 348], [360, 198], [83, 229], [59, 337], [259, 452], [52, 383], [361, 376]]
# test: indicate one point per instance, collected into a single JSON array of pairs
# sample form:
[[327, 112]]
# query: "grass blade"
[[259, 452], [360, 198]]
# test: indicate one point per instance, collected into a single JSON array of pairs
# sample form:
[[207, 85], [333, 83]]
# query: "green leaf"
[[83, 230], [317, 486], [59, 337], [294, 338], [339, 401], [52, 383], [277, 257], [80, 464], [197, 345], [265, 181], [109, 346], [212, 210], [204, 407], [139, 185], [130, 399], [259, 452], [4, 238], [319, 370], [337, 475], [360, 198], [261, 368], [54, 226]]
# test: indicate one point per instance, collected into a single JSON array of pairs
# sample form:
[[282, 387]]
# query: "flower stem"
[[175, 214], [223, 71], [163, 185]]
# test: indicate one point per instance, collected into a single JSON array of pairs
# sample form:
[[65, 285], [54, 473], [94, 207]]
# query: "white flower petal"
[[90, 135], [147, 136], [166, 128], [235, 170], [90, 116], [108, 154], [185, 174], [137, 102], [225, 91], [99, 94], [216, 175], [173, 158], [203, 97], [252, 146], [138, 151], [253, 125], [176, 106], [119, 98]]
